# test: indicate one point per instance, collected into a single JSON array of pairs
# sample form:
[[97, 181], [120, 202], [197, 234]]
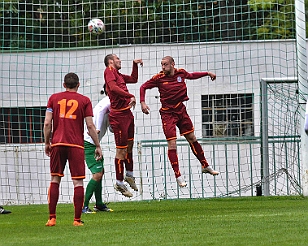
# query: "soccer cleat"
[[123, 189], [78, 223], [87, 210], [3, 211], [103, 208], [209, 170], [51, 222], [181, 182], [131, 181]]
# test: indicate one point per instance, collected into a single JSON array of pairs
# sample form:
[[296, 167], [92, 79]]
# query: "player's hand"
[[144, 108], [48, 149], [98, 153], [138, 61], [132, 103], [212, 75]]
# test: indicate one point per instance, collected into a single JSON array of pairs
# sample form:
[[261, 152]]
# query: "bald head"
[[167, 65], [169, 58]]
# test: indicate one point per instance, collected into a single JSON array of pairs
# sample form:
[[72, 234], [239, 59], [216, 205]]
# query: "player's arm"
[[47, 131], [151, 83], [133, 78], [114, 88], [93, 134], [197, 75], [100, 118]]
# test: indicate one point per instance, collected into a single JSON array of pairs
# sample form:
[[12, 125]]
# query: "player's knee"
[[121, 153], [97, 176]]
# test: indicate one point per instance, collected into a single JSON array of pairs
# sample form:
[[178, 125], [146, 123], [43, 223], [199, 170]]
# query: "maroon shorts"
[[74, 156], [122, 124], [176, 117]]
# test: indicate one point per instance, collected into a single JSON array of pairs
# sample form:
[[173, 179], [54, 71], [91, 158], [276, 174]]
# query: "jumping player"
[[121, 119], [173, 92]]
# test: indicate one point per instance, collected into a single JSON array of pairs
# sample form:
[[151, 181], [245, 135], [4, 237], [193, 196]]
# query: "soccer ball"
[[96, 26]]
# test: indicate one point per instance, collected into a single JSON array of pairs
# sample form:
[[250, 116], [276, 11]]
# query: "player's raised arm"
[[138, 61], [197, 75], [133, 78], [212, 75]]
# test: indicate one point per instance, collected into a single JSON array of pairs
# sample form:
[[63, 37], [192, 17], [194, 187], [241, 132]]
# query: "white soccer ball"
[[96, 26]]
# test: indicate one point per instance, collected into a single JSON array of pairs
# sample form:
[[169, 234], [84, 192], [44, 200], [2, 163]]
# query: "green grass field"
[[224, 221]]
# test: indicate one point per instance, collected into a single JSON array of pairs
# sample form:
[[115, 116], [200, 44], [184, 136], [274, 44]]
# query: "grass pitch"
[[224, 221]]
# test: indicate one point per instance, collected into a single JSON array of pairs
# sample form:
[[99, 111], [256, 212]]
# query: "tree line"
[[62, 24]]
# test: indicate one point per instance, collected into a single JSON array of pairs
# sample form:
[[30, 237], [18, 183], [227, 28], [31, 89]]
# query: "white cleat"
[[123, 189], [209, 170], [181, 182], [131, 181]]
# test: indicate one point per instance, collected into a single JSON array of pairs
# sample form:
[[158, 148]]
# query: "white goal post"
[[265, 128]]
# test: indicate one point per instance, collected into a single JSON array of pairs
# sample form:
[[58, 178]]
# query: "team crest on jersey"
[[179, 79]]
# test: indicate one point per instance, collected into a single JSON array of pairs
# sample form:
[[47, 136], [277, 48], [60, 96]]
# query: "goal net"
[[242, 42]]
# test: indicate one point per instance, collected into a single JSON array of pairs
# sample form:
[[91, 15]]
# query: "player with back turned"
[[65, 115], [173, 92]]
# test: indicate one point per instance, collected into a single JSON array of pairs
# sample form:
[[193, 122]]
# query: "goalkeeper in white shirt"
[[101, 121]]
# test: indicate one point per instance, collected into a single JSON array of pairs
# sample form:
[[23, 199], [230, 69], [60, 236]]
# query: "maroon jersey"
[[172, 89], [117, 89], [68, 112]]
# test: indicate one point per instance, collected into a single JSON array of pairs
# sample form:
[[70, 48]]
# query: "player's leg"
[[58, 159], [78, 201], [199, 153], [100, 206], [97, 177], [174, 160], [77, 169], [129, 177], [129, 163], [173, 157], [119, 162], [169, 122], [196, 148], [96, 168], [53, 197], [120, 123], [119, 167], [187, 129]]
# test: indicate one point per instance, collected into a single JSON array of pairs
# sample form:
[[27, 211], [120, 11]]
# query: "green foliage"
[[276, 18], [48, 24], [129, 22], [225, 221], [256, 5]]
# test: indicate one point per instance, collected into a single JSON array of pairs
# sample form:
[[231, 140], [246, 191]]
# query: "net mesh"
[[240, 41]]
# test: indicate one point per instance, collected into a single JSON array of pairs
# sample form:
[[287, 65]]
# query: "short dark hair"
[[107, 59], [71, 80]]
